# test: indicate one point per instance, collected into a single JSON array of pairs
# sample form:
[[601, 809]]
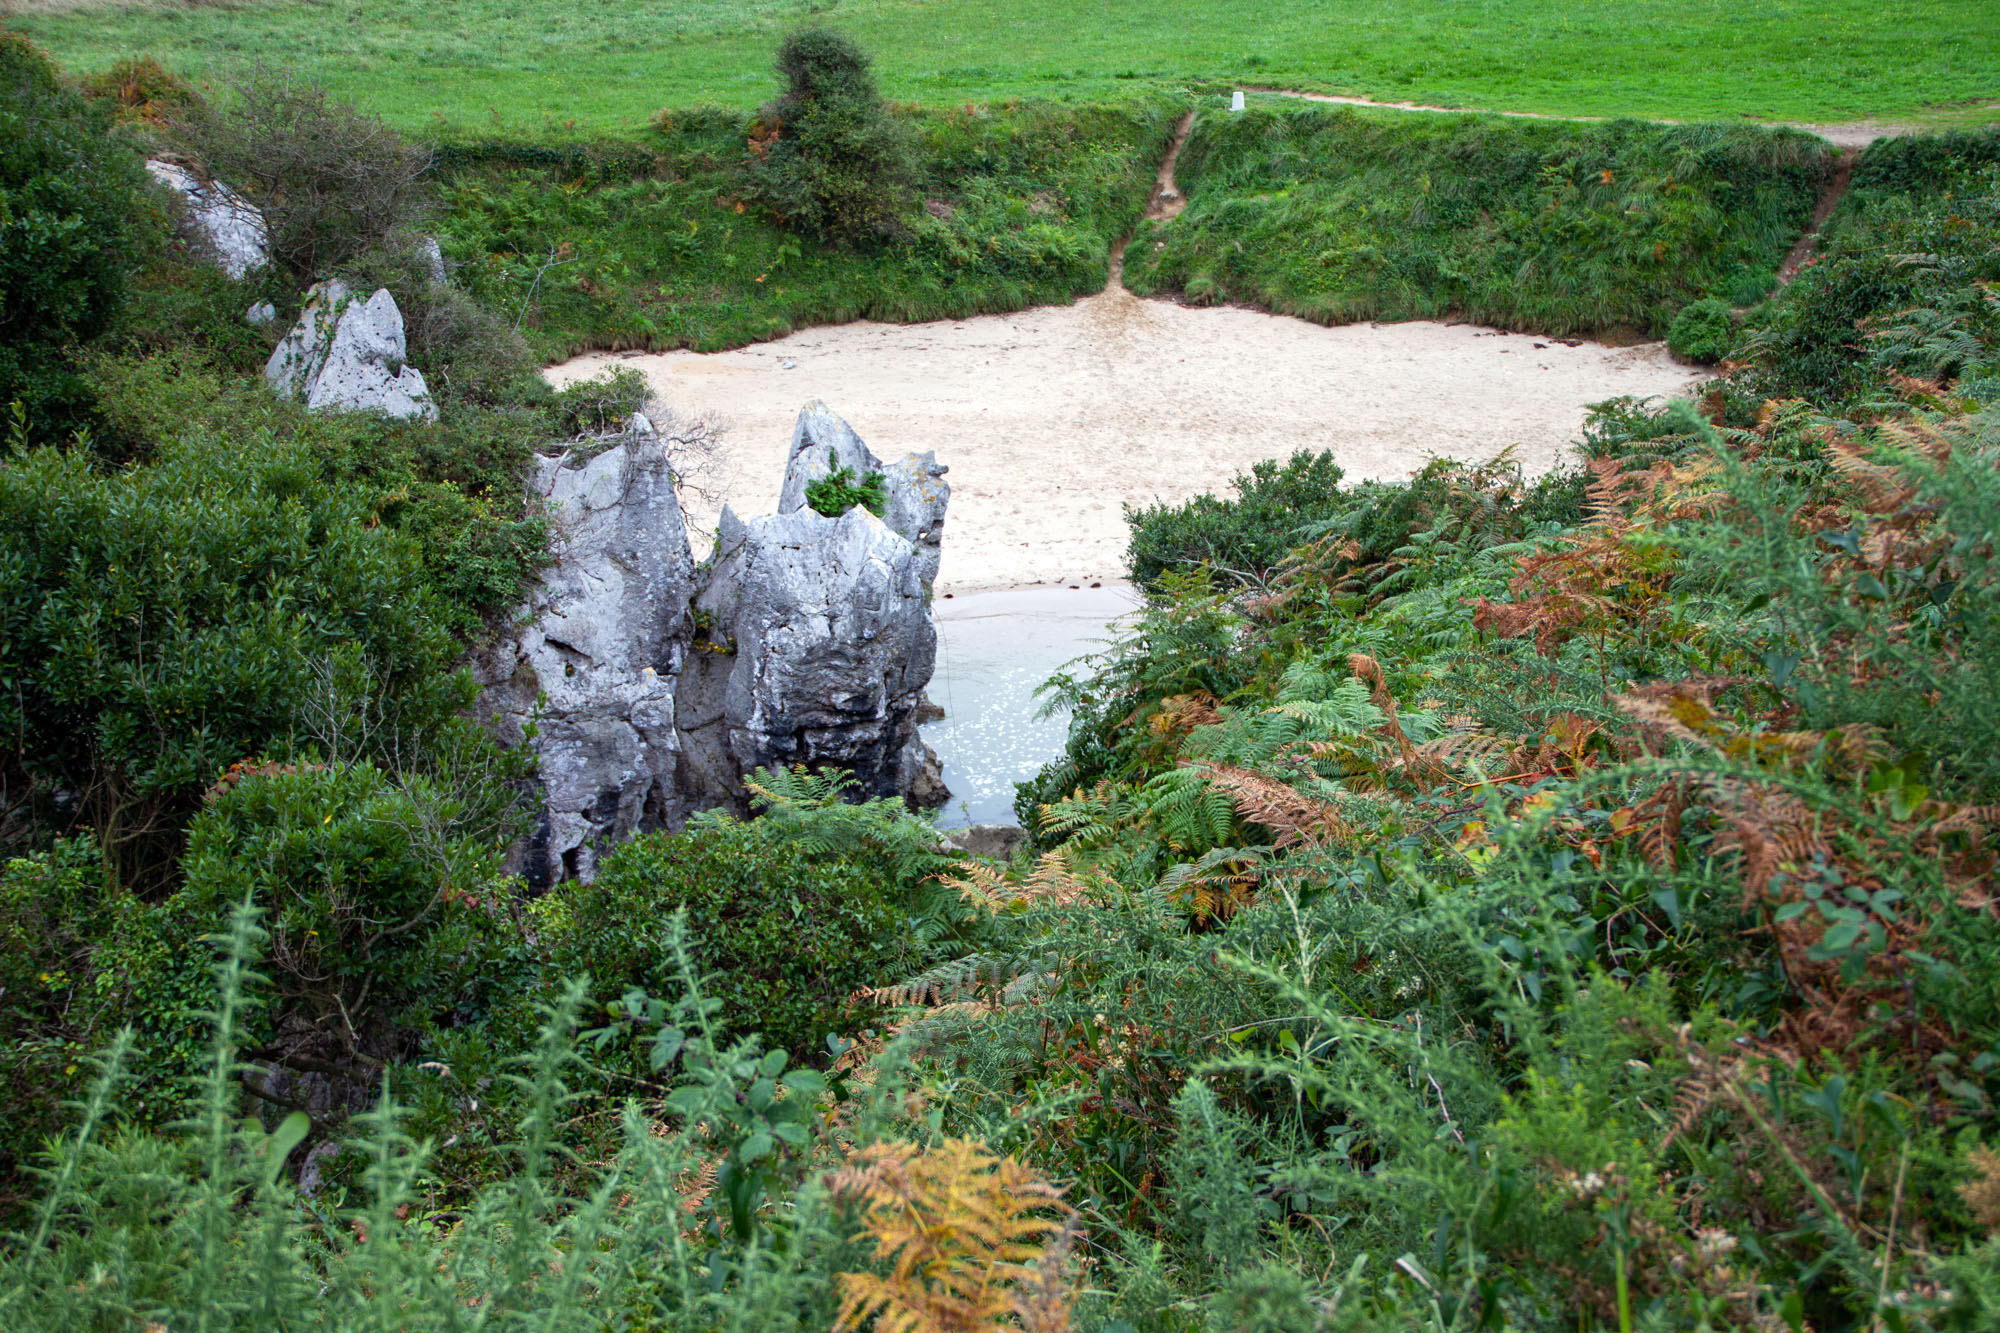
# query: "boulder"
[[229, 224], [916, 490], [595, 662], [347, 354], [995, 841]]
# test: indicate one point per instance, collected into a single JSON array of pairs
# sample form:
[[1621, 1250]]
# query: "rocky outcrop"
[[917, 493], [654, 690], [224, 220], [348, 354], [816, 646], [814, 637], [595, 667]]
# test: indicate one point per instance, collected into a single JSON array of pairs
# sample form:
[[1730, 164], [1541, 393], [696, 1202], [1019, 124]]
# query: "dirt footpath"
[[1054, 418]]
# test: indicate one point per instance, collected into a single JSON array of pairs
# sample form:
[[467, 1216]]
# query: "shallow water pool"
[[994, 649]]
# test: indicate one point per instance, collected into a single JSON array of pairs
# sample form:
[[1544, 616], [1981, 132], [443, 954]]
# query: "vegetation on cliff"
[[1464, 902]]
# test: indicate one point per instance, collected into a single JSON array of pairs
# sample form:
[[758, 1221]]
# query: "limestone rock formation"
[[815, 646], [604, 640], [229, 223], [655, 690], [915, 486], [433, 257], [348, 354]]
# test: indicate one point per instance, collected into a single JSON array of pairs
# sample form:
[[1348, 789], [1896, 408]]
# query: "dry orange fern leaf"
[[973, 1242]]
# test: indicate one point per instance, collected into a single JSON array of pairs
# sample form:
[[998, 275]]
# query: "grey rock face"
[[815, 639], [232, 225], [997, 841], [816, 646], [915, 485], [605, 637], [655, 689], [348, 354]]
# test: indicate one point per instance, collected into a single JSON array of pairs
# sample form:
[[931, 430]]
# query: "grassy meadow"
[[605, 66]]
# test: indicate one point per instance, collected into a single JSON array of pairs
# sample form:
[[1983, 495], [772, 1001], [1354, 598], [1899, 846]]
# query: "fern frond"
[[967, 1238], [1287, 813]]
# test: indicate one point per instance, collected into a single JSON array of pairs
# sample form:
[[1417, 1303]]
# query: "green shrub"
[[142, 89], [1703, 331], [382, 900], [786, 934], [333, 181], [1243, 539], [53, 911], [838, 492], [223, 600], [76, 213], [833, 161]]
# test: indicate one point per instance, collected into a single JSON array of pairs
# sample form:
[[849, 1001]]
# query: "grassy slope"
[[1336, 215], [606, 64], [1024, 202]]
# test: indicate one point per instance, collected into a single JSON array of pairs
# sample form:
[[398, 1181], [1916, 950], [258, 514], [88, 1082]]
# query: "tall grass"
[[1337, 215], [1019, 205]]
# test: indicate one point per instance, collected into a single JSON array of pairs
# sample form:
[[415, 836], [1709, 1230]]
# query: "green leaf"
[[288, 1135]]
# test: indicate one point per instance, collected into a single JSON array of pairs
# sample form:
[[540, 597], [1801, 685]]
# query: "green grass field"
[[605, 64]]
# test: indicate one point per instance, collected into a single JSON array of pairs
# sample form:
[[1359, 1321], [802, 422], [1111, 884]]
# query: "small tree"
[[333, 181], [831, 159]]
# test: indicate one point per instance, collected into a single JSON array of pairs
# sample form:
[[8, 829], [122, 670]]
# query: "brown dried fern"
[[967, 1237]]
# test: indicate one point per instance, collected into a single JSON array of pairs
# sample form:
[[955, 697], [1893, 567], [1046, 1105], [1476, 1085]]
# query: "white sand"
[[1053, 418]]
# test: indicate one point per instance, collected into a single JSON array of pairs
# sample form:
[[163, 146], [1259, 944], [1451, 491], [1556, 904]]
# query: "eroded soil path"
[[1829, 199], [1165, 203]]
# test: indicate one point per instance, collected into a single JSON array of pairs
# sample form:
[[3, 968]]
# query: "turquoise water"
[[994, 649]]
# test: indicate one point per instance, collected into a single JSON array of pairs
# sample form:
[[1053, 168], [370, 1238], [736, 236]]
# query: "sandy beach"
[[1052, 419]]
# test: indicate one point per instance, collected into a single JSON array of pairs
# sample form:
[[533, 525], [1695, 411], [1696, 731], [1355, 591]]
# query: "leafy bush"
[[786, 934], [76, 214], [1703, 331], [333, 181], [838, 492], [223, 600], [143, 89], [833, 161], [1243, 539], [53, 912], [379, 896]]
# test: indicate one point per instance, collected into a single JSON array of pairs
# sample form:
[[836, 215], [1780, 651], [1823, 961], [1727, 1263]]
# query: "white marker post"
[[1236, 101]]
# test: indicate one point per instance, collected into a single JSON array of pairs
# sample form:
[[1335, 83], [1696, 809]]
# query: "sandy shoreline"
[[1053, 418]]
